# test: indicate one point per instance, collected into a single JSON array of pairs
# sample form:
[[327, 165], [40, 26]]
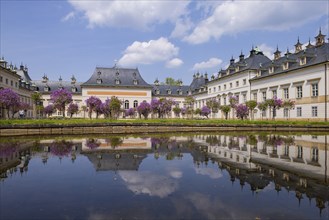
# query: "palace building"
[[300, 76]]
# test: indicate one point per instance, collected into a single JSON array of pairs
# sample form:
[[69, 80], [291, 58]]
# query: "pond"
[[165, 176]]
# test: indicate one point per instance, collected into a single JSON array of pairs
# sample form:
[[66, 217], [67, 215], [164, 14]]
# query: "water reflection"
[[187, 172]]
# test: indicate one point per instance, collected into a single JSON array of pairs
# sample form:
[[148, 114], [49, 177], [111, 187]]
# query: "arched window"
[[126, 104], [135, 104]]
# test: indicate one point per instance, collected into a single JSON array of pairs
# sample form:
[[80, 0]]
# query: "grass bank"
[[189, 122]]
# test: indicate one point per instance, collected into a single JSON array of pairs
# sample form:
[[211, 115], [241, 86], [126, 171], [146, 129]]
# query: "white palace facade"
[[300, 76]]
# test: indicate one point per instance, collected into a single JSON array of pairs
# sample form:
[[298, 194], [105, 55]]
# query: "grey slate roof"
[[253, 62], [198, 82], [162, 90], [54, 85], [314, 55], [24, 74], [109, 76]]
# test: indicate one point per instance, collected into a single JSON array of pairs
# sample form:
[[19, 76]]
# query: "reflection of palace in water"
[[296, 163]]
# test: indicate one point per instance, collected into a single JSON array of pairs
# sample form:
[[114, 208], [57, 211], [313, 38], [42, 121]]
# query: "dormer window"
[[302, 61], [237, 69], [134, 74], [117, 73], [169, 91], [285, 66], [135, 81], [271, 70], [46, 89], [180, 92], [99, 81], [117, 81], [74, 89]]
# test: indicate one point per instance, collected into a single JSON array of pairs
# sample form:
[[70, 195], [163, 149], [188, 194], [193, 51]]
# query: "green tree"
[[189, 100], [225, 109], [262, 106], [115, 107], [197, 111], [36, 97], [172, 82], [251, 104]]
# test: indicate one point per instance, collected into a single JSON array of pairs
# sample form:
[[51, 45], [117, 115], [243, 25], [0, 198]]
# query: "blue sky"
[[161, 38]]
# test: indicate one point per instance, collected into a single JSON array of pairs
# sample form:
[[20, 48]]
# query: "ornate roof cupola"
[[194, 76], [287, 53], [241, 57], [25, 68], [3, 63], [99, 80], [206, 77], [11, 67], [21, 67], [180, 83], [319, 39], [277, 53], [60, 82], [156, 82], [309, 45], [231, 60], [44, 78], [73, 80], [253, 51], [298, 46]]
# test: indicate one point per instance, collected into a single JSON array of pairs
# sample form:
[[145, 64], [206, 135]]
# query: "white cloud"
[[212, 62], [149, 183], [232, 17], [174, 63], [207, 171], [182, 27], [69, 16], [267, 50], [176, 174], [148, 52], [131, 14]]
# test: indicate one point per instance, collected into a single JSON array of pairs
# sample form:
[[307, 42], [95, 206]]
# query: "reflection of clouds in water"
[[149, 183], [208, 171], [211, 208], [176, 174]]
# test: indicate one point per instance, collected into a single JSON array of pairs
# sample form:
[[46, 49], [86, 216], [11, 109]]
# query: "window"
[[214, 89], [231, 85], [135, 82], [11, 83], [126, 104], [157, 91], [285, 66], [285, 112], [219, 88], [299, 111], [255, 96], [302, 61], [135, 104], [16, 85], [264, 113], [237, 83], [117, 82], [271, 70], [224, 100], [264, 96], [286, 93], [224, 86], [244, 81], [46, 89], [209, 90], [299, 92], [1, 79], [237, 98], [315, 90], [74, 89], [99, 81], [7, 81], [274, 93], [244, 97], [314, 111], [299, 152], [315, 154], [286, 151], [169, 91]]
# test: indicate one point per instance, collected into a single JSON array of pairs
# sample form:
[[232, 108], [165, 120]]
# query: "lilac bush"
[[144, 109], [92, 103], [61, 148], [130, 112], [233, 100], [105, 108], [9, 100], [183, 111], [49, 110], [205, 111], [73, 109], [60, 98], [242, 111], [92, 143]]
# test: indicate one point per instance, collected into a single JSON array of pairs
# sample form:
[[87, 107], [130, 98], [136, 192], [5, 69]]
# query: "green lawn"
[[157, 121]]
